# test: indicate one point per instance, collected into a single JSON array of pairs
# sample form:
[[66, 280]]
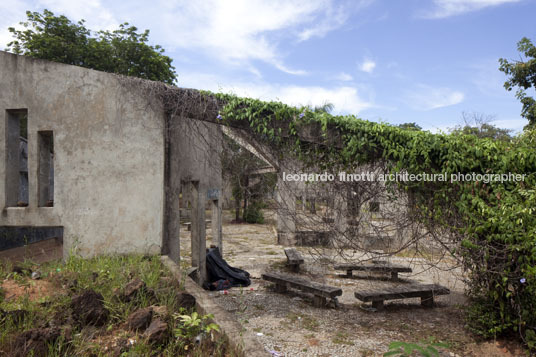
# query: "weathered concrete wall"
[[109, 156], [195, 168]]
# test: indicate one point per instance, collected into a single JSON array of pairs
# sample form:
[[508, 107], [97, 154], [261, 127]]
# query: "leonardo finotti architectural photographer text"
[[402, 177]]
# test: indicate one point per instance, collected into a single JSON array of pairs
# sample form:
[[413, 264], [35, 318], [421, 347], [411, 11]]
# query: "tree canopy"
[[479, 125], [122, 51], [523, 75]]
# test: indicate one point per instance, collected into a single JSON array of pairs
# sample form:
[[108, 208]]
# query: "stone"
[[157, 332], [186, 300], [140, 319], [160, 310], [34, 342], [88, 309], [133, 288]]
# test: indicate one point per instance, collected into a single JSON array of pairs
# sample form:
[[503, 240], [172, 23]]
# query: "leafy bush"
[[253, 214], [493, 223]]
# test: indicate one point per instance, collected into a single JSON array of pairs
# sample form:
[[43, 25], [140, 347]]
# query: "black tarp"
[[218, 269]]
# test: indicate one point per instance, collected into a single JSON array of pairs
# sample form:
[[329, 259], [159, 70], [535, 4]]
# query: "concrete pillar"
[[173, 187], [217, 237], [198, 236], [340, 208], [286, 212]]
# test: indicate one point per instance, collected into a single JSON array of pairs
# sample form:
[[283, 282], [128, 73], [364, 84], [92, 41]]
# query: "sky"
[[422, 61]]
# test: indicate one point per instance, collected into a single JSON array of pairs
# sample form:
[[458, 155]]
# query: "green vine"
[[495, 220]]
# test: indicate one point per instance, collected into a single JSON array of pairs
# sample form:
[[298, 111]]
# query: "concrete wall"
[[108, 162]]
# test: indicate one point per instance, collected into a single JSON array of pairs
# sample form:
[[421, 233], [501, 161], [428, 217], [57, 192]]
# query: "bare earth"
[[288, 324]]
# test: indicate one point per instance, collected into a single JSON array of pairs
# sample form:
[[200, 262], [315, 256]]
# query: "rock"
[[135, 288], [121, 347], [140, 319], [88, 309], [20, 270], [161, 311], [34, 342], [157, 332], [186, 300]]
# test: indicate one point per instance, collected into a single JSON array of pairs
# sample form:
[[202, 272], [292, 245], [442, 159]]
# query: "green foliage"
[[479, 125], [522, 74], [192, 326], [123, 51], [106, 275], [410, 126], [253, 213], [407, 349], [493, 221]]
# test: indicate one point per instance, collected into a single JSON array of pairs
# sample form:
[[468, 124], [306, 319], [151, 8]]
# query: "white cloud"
[[13, 12], [235, 32], [345, 99], [97, 16], [239, 32], [446, 8], [368, 66], [344, 77], [514, 124], [425, 97]]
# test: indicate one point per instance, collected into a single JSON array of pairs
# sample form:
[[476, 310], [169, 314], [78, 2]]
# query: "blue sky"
[[423, 61]]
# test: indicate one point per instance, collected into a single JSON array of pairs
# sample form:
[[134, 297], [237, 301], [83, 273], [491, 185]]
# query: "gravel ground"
[[288, 324]]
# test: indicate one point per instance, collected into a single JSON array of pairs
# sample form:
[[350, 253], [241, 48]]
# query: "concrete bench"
[[378, 267], [294, 259], [425, 292], [189, 224], [321, 292]]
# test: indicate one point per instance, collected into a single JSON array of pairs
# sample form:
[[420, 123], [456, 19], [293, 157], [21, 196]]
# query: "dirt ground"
[[289, 325]]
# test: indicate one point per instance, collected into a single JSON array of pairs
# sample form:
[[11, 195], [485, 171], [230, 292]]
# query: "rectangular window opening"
[[45, 177], [16, 180]]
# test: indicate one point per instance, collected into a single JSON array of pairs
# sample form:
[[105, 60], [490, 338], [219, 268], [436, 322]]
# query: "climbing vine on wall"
[[495, 221]]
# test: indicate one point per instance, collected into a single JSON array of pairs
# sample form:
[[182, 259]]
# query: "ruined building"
[[104, 167]]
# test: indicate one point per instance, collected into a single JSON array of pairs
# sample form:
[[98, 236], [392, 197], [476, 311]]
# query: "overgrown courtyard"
[[106, 306]]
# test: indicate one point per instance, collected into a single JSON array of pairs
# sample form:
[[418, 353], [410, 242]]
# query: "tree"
[[410, 126], [523, 75], [238, 165], [123, 51], [478, 124]]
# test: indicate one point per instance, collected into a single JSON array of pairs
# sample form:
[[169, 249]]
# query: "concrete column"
[[340, 208], [217, 237], [198, 237], [286, 212], [173, 187]]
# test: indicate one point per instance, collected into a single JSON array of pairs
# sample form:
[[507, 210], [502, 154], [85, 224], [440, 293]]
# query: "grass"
[[106, 275], [305, 321], [342, 338]]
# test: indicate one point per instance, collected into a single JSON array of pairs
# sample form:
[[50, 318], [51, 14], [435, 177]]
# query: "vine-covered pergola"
[[491, 222]]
